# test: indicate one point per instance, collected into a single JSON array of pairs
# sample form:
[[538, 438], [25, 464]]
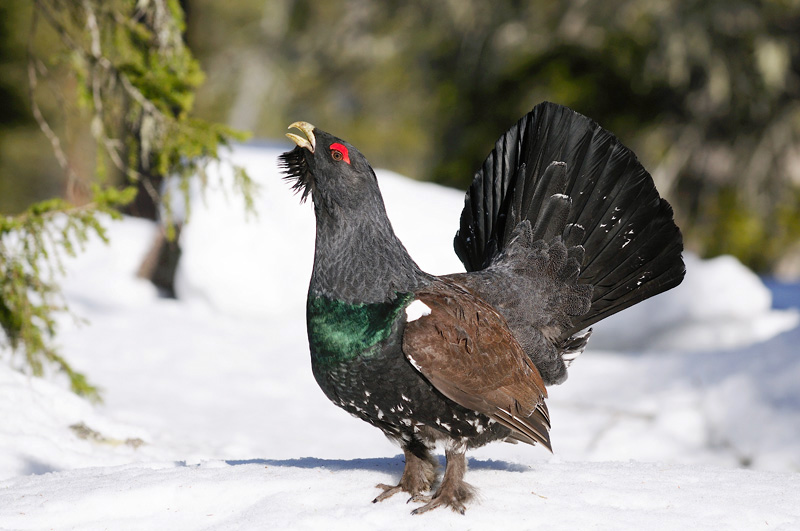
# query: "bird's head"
[[332, 170]]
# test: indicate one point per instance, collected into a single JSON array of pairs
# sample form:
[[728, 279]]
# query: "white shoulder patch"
[[416, 309]]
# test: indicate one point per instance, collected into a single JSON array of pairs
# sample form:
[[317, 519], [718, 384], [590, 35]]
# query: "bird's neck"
[[359, 259]]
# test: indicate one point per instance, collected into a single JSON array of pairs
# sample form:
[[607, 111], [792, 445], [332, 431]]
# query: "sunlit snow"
[[684, 412]]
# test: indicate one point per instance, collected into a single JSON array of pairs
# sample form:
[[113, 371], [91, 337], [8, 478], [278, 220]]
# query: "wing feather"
[[466, 351]]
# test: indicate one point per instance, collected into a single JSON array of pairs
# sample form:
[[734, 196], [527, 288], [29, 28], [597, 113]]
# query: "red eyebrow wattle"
[[343, 150]]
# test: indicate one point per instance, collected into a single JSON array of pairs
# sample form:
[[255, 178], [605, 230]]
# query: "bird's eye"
[[339, 152]]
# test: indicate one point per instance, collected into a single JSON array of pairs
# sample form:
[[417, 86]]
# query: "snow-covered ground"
[[683, 413]]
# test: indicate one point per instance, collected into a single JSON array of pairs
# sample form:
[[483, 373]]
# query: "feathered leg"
[[453, 492], [418, 474]]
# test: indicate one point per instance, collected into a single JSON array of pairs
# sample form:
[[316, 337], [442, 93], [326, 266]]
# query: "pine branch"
[[137, 80], [31, 245]]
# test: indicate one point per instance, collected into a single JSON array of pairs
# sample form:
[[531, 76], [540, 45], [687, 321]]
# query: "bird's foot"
[[418, 476], [453, 492], [454, 497]]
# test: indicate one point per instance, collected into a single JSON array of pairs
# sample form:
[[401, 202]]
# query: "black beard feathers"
[[294, 166]]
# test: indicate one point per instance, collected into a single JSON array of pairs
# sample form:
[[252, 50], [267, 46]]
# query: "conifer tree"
[[136, 82]]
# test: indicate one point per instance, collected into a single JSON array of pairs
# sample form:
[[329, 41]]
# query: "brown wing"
[[466, 350]]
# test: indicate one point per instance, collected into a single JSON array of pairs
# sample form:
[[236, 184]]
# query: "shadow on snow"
[[381, 464]]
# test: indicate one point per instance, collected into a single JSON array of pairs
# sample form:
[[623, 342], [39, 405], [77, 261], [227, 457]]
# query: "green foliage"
[[136, 83], [739, 230], [32, 246]]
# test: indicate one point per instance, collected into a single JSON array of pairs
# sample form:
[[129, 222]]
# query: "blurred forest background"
[[707, 93]]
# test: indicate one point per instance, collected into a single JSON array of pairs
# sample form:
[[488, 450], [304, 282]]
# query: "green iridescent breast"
[[339, 331]]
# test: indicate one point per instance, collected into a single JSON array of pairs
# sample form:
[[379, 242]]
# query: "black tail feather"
[[572, 178]]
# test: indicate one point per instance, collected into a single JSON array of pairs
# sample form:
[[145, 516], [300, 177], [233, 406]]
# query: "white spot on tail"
[[417, 309]]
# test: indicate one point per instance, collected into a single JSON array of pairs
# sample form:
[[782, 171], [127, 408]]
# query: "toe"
[[420, 498], [388, 491], [433, 503]]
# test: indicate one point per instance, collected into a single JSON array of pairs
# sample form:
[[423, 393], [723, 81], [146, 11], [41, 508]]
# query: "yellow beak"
[[306, 128]]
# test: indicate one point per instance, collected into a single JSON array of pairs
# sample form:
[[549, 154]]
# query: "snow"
[[318, 494], [683, 412], [720, 304]]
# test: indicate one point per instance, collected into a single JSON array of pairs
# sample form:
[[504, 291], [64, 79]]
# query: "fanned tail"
[[574, 180]]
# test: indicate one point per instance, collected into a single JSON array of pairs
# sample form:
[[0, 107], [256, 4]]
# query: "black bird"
[[561, 227]]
